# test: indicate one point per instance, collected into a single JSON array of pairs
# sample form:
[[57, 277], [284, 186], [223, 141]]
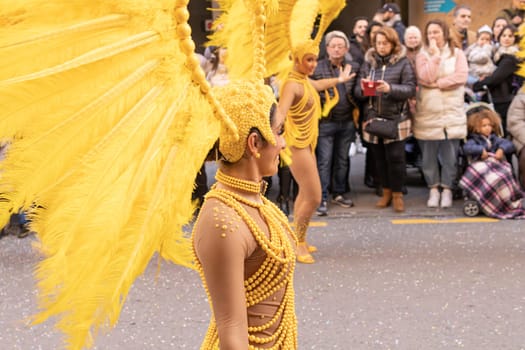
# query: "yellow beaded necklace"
[[274, 274], [244, 185]]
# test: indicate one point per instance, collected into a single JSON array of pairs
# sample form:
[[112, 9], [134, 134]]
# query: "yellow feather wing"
[[292, 23], [521, 52], [105, 110]]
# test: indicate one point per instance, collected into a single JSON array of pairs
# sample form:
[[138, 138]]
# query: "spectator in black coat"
[[358, 39], [499, 83]]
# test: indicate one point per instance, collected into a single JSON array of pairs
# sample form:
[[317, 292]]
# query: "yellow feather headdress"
[[109, 118], [107, 130], [291, 30]]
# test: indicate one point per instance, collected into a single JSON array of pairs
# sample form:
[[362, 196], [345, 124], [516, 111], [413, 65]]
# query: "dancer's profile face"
[[307, 64]]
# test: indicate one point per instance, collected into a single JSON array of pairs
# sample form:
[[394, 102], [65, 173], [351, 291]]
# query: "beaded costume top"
[[269, 269], [301, 126]]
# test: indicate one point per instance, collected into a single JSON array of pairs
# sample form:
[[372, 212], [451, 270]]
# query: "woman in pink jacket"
[[440, 122]]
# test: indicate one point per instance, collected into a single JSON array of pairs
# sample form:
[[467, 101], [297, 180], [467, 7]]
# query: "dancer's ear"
[[254, 143]]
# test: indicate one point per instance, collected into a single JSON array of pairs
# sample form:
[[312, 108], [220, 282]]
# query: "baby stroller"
[[473, 103], [474, 179], [471, 207]]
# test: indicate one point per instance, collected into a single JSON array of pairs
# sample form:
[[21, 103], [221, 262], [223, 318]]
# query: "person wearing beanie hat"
[[479, 56], [484, 29], [392, 18]]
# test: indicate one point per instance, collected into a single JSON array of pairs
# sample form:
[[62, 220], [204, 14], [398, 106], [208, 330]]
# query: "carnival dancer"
[[243, 243], [291, 55], [299, 100], [116, 141]]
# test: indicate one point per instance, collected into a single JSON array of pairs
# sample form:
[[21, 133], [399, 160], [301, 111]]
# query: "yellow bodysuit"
[[301, 125]]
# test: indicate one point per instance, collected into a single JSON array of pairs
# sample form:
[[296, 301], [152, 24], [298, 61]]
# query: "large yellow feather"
[[109, 122], [109, 119]]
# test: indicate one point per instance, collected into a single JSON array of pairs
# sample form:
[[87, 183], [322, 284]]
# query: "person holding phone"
[[386, 81]]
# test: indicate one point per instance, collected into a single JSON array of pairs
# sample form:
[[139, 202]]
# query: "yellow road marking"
[[318, 224], [314, 224], [442, 221]]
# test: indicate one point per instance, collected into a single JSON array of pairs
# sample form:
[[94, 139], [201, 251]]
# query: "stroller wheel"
[[470, 208]]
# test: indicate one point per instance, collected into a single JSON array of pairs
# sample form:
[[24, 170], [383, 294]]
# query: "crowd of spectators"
[[424, 77]]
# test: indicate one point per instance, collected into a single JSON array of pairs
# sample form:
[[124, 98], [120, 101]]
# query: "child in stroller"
[[488, 177]]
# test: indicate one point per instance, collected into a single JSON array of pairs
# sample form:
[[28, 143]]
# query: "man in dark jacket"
[[392, 19], [357, 47], [336, 130]]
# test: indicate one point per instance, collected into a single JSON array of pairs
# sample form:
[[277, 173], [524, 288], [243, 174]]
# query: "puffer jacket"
[[440, 112], [516, 120], [397, 71], [476, 143]]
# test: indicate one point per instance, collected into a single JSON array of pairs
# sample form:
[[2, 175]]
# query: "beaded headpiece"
[[303, 48], [246, 99], [151, 132], [248, 104]]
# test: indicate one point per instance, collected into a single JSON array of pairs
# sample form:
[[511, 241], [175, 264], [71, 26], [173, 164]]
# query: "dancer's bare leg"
[[304, 170]]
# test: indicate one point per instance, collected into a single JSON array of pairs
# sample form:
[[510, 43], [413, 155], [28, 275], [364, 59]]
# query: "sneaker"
[[353, 150], [323, 209], [359, 145], [433, 198], [446, 198], [342, 201]]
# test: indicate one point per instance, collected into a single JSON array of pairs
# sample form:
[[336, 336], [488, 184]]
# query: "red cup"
[[370, 88]]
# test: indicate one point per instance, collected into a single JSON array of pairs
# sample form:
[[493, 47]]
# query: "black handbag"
[[383, 128]]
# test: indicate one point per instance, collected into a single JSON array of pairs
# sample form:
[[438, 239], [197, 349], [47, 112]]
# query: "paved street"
[[425, 279]]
